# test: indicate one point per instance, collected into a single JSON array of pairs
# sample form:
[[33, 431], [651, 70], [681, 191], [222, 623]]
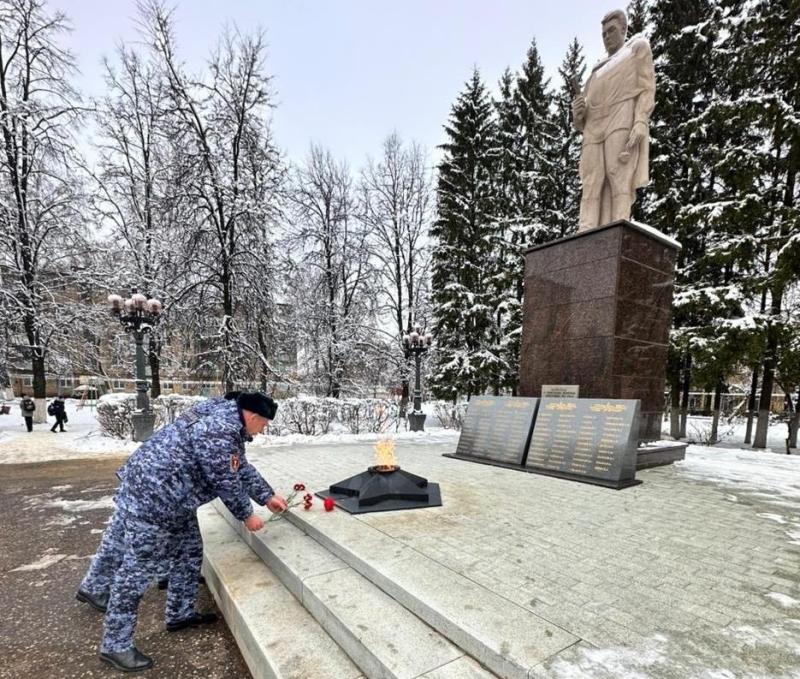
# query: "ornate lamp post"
[[138, 315], [417, 343]]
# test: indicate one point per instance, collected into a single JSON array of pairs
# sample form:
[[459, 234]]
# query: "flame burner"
[[384, 488]]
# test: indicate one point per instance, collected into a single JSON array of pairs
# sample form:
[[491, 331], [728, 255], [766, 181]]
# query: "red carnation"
[[299, 486], [307, 505], [329, 504], [308, 497]]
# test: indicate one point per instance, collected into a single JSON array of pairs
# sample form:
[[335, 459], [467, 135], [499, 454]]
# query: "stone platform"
[[516, 575], [597, 314]]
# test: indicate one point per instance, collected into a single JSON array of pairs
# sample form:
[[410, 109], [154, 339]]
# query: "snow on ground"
[[81, 439], [754, 471], [783, 599], [730, 434], [49, 558]]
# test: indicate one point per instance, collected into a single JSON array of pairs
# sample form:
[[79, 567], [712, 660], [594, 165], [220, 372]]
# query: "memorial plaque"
[[591, 440], [560, 390], [497, 429]]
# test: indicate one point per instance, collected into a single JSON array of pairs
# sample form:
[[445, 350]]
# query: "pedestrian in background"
[[27, 407], [58, 409]]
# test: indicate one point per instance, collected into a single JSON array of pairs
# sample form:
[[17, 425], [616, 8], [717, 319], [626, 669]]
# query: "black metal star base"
[[382, 491]]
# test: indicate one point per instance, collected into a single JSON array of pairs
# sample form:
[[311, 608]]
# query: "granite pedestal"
[[597, 314]]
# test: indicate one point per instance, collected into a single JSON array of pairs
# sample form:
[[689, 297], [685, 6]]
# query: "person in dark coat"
[[184, 465], [58, 410], [27, 407]]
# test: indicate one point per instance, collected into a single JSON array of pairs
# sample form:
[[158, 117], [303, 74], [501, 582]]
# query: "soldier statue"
[[613, 114]]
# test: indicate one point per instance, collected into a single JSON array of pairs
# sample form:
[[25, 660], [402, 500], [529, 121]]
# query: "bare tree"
[[236, 172], [140, 170], [397, 194], [40, 195], [334, 276]]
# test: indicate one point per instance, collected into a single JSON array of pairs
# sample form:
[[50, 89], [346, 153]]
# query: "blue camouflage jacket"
[[254, 484], [196, 459]]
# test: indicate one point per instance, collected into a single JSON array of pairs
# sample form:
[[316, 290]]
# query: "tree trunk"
[[794, 421], [39, 387], [715, 421], [751, 406], [767, 383], [687, 385], [674, 407], [404, 396]]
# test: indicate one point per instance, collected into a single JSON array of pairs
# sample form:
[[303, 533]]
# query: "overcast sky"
[[349, 72]]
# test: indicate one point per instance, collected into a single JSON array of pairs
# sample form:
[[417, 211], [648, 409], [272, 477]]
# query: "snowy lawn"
[[81, 439]]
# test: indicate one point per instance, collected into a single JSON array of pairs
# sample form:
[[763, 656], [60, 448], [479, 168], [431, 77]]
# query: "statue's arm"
[[579, 109], [646, 74]]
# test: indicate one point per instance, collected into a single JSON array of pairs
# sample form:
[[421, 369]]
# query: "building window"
[[27, 381]]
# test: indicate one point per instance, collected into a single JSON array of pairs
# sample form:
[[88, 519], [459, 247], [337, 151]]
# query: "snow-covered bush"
[[317, 416], [114, 415], [368, 415], [114, 412], [174, 405], [304, 415], [450, 416]]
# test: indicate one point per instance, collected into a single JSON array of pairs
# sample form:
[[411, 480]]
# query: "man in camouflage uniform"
[[96, 585], [186, 464]]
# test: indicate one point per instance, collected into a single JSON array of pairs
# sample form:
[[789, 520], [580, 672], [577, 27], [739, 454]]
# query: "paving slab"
[[608, 567]]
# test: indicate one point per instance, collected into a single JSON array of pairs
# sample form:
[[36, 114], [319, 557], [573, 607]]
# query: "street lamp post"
[[138, 315], [417, 343]]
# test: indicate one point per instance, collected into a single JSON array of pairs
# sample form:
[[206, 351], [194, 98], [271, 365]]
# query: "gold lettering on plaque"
[[608, 408], [560, 406]]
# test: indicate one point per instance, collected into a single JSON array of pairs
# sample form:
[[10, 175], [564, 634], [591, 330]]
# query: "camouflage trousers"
[[139, 550], [108, 558]]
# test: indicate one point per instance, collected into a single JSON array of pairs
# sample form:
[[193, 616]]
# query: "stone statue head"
[[615, 28]]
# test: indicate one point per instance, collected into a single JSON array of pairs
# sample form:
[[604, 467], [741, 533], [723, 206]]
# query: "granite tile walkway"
[[677, 577]]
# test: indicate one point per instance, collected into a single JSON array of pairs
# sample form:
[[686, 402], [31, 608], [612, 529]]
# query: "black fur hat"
[[257, 403]]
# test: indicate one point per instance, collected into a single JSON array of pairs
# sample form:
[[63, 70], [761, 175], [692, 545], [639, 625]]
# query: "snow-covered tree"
[[333, 294], [538, 151], [566, 183], [397, 209], [769, 104], [235, 172], [466, 359], [138, 198], [41, 228], [681, 180]]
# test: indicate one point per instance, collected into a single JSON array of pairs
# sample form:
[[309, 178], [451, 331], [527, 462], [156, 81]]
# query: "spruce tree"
[[508, 234], [679, 180], [770, 104], [637, 17], [466, 359], [538, 151], [567, 183]]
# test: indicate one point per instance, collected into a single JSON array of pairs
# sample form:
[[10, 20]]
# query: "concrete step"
[[505, 638], [277, 636], [508, 639], [382, 638]]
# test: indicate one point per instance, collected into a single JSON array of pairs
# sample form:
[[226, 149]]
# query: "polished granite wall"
[[597, 313]]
